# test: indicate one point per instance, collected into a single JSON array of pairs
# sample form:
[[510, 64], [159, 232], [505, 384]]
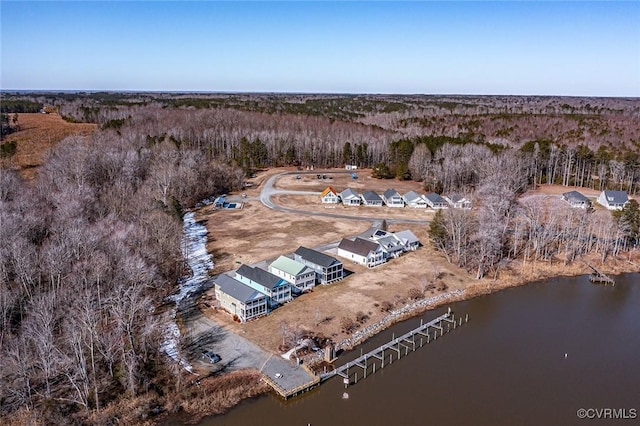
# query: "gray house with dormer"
[[613, 200]]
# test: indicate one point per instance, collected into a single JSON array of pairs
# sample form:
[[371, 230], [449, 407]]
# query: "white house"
[[239, 299], [362, 251], [415, 200], [409, 240], [435, 201], [350, 197], [301, 277], [392, 198], [613, 200], [393, 244], [329, 196], [371, 199], [458, 201], [576, 199]]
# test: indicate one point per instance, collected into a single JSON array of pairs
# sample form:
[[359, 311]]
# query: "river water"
[[532, 355]]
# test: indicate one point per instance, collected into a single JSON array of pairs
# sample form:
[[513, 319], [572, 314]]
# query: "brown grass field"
[[38, 133], [257, 233]]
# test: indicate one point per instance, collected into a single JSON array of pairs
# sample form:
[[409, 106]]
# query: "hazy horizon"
[[580, 49]]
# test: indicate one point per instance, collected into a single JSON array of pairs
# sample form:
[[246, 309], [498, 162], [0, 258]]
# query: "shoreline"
[[475, 289], [480, 288]]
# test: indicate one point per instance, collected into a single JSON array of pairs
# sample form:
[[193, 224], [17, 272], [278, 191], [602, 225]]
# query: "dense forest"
[[89, 250], [90, 247]]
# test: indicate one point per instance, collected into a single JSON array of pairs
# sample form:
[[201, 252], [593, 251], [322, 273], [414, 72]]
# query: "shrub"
[[361, 317], [415, 293], [386, 306], [348, 325]]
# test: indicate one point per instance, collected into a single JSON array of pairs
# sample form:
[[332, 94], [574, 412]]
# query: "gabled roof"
[[260, 276], [435, 198], [316, 257], [575, 196], [234, 288], [616, 197], [457, 198], [371, 196], [328, 190], [358, 246], [373, 233], [390, 243], [289, 266], [349, 194], [412, 197], [389, 193], [407, 237]]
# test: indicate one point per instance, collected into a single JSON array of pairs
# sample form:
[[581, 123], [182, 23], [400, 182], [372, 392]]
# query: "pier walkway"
[[415, 338], [290, 380]]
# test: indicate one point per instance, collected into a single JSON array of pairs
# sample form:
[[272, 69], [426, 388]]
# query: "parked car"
[[211, 357]]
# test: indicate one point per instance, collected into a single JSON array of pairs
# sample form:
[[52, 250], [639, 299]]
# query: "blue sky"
[[540, 48]]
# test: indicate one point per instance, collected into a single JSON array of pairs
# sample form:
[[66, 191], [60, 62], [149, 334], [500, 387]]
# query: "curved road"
[[269, 190]]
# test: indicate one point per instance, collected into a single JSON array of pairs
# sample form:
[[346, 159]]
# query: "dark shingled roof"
[[316, 257], [358, 246], [390, 193], [260, 276], [575, 196], [371, 196], [435, 198], [236, 289], [616, 197]]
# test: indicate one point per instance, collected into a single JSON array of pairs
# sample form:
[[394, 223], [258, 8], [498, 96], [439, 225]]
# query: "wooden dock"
[[598, 276], [287, 379], [398, 346]]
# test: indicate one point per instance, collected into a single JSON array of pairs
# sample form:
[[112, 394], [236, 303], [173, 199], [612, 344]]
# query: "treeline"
[[8, 125], [19, 106], [461, 166], [503, 228], [252, 139], [89, 250]]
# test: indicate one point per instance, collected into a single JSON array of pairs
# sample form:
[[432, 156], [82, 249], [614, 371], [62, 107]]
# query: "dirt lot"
[[257, 233], [38, 133]]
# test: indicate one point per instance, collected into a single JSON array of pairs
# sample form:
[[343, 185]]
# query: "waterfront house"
[[392, 198], [458, 201], [435, 201], [409, 240], [350, 197], [415, 200], [576, 199], [329, 196], [328, 269], [613, 200], [239, 299], [393, 244], [364, 252], [277, 289], [371, 199], [301, 277]]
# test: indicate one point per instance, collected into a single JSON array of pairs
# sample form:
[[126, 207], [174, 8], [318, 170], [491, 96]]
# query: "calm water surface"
[[506, 366]]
